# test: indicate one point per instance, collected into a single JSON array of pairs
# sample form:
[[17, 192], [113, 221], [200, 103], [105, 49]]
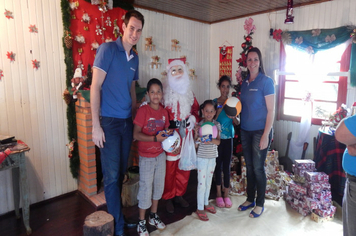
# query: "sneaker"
[[156, 221], [141, 228]]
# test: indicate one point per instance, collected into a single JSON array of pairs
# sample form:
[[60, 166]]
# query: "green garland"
[[71, 118]]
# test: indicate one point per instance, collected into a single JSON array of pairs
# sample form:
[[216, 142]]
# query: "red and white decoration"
[[11, 56], [225, 60]]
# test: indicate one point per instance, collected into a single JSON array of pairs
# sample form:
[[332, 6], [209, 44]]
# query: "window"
[[317, 75]]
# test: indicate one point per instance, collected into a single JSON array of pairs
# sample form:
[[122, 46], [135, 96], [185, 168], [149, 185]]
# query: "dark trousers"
[[223, 162], [114, 157], [255, 165]]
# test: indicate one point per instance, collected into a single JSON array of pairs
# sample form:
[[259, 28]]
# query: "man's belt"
[[351, 177]]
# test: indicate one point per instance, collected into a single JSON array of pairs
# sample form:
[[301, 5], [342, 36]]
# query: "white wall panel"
[[194, 40], [324, 15], [31, 104]]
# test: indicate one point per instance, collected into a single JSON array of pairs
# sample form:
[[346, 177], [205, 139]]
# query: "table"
[[16, 161], [328, 158]]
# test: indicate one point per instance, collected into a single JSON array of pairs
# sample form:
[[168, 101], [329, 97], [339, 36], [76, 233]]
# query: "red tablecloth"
[[328, 158]]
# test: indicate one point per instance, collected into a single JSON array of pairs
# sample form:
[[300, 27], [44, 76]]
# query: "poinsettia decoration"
[[1, 74], [35, 64], [11, 56], [242, 60], [33, 29], [8, 14], [277, 35], [249, 26]]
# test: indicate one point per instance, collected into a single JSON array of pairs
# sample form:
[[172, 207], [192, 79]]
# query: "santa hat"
[[175, 62], [77, 73]]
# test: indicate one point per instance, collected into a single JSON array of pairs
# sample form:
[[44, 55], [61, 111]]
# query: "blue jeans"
[[114, 156], [255, 165]]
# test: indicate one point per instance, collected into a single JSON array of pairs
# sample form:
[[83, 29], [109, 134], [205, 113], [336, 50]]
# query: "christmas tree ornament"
[[86, 28], [1, 74], [70, 147], [108, 39], [149, 44], [192, 74], [35, 64], [108, 21], [68, 40], [175, 46], [79, 38], [80, 51], [33, 29], [116, 30], [155, 62], [73, 5], [94, 45], [243, 45], [98, 30], [86, 18], [11, 56], [8, 14], [353, 36], [80, 65], [67, 97], [248, 38], [289, 14]]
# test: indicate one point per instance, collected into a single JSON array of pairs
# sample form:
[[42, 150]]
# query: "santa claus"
[[183, 110]]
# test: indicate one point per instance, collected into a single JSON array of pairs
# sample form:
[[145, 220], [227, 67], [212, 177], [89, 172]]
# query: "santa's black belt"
[[178, 123]]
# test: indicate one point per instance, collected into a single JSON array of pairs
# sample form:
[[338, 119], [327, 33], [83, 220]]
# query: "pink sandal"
[[228, 203], [220, 202]]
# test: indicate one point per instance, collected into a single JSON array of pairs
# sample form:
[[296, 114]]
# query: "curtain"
[[316, 40]]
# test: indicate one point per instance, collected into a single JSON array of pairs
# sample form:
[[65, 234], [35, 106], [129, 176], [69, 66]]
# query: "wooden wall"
[[323, 15], [31, 105]]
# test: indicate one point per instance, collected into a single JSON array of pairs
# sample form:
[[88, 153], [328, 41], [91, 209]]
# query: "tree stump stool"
[[99, 223], [129, 192]]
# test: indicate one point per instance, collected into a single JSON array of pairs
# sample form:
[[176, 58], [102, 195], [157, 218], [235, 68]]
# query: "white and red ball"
[[208, 128], [171, 143], [232, 106]]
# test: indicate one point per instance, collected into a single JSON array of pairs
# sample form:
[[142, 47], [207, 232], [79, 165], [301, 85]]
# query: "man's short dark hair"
[[133, 13]]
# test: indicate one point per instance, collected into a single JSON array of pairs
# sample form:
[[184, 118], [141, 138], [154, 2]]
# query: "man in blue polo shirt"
[[113, 107], [346, 133]]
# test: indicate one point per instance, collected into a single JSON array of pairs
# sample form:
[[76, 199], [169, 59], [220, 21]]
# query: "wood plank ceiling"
[[213, 11]]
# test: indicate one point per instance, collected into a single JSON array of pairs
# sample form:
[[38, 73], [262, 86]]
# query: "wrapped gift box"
[[320, 219], [297, 187], [316, 177], [305, 164]]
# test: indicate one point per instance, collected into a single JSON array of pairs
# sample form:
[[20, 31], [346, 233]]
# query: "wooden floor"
[[65, 215]]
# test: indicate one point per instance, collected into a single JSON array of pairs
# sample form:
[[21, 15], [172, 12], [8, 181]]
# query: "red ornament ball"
[[250, 47], [248, 38], [243, 45]]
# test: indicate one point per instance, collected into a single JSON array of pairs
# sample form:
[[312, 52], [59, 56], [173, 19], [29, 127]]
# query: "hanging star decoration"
[[1, 74], [11, 56], [33, 29], [8, 14], [35, 64]]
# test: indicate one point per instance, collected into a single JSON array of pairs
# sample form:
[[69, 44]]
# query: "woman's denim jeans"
[[114, 157], [255, 164]]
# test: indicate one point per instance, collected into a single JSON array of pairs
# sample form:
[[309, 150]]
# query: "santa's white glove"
[[191, 122]]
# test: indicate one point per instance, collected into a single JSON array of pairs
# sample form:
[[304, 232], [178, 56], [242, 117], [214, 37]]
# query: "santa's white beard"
[[180, 85], [172, 98]]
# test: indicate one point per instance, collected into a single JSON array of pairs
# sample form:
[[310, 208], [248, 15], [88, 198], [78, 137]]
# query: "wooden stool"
[[129, 192], [99, 223]]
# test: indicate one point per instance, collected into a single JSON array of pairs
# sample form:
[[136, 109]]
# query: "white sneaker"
[[156, 221], [141, 228]]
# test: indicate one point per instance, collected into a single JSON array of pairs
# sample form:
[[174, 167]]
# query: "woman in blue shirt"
[[257, 115]]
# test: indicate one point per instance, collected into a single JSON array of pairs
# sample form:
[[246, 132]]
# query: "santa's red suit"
[[183, 110]]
